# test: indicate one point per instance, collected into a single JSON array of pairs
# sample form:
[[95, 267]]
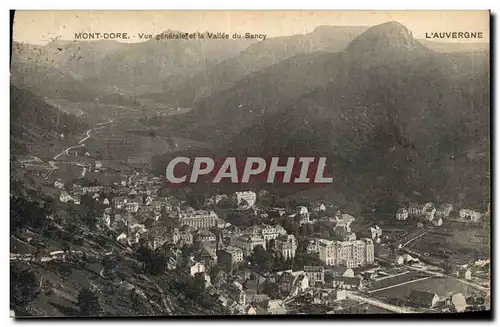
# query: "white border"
[[190, 4]]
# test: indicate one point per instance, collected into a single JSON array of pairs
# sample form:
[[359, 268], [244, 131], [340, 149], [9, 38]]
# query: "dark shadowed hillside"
[[36, 127], [398, 110]]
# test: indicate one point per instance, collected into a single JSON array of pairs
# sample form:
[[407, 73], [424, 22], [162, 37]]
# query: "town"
[[255, 256]]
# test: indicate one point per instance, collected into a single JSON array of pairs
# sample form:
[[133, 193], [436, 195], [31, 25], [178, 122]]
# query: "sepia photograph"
[[332, 164]]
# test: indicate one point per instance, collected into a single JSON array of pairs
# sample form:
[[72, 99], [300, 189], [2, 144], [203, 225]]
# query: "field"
[[463, 244], [66, 172], [442, 286], [403, 278], [133, 145]]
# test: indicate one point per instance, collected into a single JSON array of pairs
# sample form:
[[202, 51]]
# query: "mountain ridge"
[[400, 113]]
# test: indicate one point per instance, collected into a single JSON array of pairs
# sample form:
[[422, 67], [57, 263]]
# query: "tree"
[[93, 210], [470, 300], [236, 218], [23, 286], [480, 301], [306, 230], [307, 259], [448, 268], [88, 303], [213, 272], [158, 263], [271, 289], [25, 213], [143, 255], [291, 226], [261, 259], [163, 192], [199, 283], [111, 265]]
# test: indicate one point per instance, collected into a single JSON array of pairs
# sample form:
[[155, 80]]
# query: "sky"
[[40, 27]]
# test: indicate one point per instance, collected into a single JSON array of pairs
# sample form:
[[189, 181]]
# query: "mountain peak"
[[387, 37]]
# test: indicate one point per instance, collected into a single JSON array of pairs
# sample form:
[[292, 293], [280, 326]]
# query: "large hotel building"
[[199, 219], [348, 253]]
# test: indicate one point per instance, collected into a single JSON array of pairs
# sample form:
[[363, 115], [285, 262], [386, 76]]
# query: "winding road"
[[80, 143]]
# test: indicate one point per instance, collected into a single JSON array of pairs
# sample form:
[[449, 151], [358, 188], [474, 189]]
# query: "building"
[[315, 274], [234, 291], [206, 255], [437, 222], [345, 218], [58, 184], [247, 243], [65, 198], [155, 205], [97, 164], [375, 232], [427, 206], [106, 219], [342, 271], [199, 219], [444, 210], [423, 299], [173, 236], [347, 283], [415, 209], [303, 215], [348, 253], [286, 246], [276, 307], [205, 236], [229, 257], [407, 258], [337, 295], [326, 250], [246, 198], [277, 212], [254, 231], [341, 230], [196, 268], [292, 283], [131, 207], [119, 202], [429, 213], [350, 237], [186, 237], [399, 260], [468, 214], [272, 232], [465, 274], [321, 207], [402, 214], [91, 189], [313, 246], [256, 310]]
